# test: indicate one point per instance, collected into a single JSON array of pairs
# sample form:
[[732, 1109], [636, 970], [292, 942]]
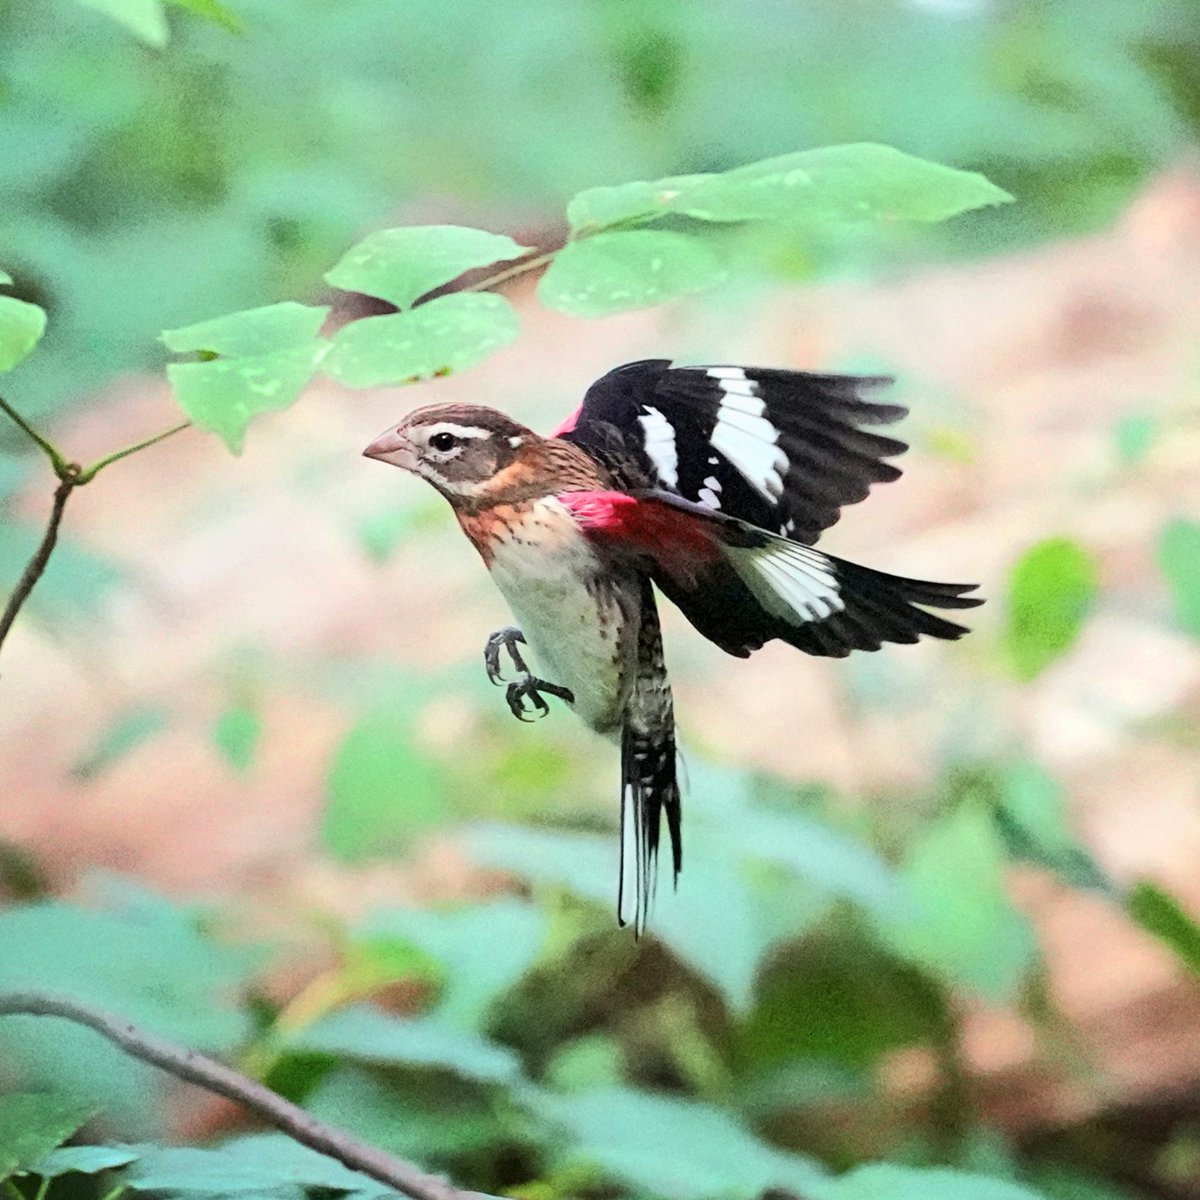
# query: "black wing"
[[783, 450]]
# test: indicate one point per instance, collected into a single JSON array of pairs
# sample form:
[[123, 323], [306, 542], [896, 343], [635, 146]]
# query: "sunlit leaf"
[[401, 265], [614, 272], [266, 357], [382, 790], [587, 1063], [236, 734], [365, 1034], [21, 327], [1179, 558], [860, 182], [214, 11], [1050, 591], [1159, 913], [625, 1132], [145, 19], [32, 1124], [87, 1160], [887, 1181], [445, 335], [484, 949], [964, 925]]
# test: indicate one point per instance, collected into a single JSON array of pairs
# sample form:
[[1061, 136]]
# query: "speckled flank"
[[579, 615]]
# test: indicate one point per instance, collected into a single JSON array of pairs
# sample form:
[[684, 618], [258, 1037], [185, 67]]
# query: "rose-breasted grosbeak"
[[711, 482]]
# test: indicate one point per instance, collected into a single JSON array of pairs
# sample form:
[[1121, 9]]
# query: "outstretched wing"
[[649, 787], [741, 586], [782, 450]]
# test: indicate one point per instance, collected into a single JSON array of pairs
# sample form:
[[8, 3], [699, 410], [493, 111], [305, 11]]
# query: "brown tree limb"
[[216, 1077], [41, 556]]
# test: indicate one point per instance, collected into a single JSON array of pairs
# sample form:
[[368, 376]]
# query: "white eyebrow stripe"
[[462, 431]]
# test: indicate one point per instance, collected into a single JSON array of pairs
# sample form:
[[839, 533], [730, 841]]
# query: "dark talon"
[[532, 688], [508, 638]]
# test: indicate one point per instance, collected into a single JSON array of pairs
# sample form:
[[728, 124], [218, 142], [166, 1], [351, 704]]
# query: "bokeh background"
[[255, 788]]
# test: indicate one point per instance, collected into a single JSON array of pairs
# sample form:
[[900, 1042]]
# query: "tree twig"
[[216, 1077], [57, 461], [41, 556], [89, 473]]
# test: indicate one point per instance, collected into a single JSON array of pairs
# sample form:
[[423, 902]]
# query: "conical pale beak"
[[395, 448]]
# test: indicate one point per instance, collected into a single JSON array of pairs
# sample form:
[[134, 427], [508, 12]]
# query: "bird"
[[710, 484]]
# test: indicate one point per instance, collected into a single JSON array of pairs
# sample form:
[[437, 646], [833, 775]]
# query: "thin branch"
[[520, 268], [216, 1077], [57, 461], [89, 473], [41, 556]]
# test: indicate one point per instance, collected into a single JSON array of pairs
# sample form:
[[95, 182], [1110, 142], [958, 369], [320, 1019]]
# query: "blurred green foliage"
[[147, 187], [163, 170]]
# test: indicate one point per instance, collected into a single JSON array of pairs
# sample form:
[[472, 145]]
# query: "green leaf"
[[858, 1001], [1134, 436], [5, 277], [432, 1116], [886, 1181], [251, 332], [624, 1132], [440, 337], [401, 265], [860, 182], [268, 355], [599, 207], [964, 926], [121, 737], [586, 1064], [484, 948], [1050, 591], [87, 1160], [1179, 559], [32, 1124], [21, 327], [1159, 913], [145, 19], [1032, 815], [236, 734], [614, 272], [210, 1173], [214, 11], [365, 1034], [141, 958], [382, 790]]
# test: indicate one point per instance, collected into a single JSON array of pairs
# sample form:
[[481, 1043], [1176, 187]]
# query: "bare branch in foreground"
[[216, 1077]]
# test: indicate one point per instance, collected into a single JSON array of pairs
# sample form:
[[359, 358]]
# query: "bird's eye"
[[443, 441]]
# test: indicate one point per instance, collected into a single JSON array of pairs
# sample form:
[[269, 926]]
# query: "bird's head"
[[462, 449]]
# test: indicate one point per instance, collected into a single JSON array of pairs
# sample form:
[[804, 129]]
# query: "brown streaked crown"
[[461, 448]]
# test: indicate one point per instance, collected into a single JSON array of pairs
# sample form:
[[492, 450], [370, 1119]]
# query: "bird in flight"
[[711, 483]]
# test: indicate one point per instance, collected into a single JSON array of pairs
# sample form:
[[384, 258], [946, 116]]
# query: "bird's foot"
[[530, 688], [506, 638]]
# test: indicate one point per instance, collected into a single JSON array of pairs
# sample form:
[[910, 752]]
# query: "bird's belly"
[[576, 623]]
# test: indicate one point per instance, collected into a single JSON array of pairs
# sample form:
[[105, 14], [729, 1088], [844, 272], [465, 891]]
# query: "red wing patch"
[[679, 543]]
